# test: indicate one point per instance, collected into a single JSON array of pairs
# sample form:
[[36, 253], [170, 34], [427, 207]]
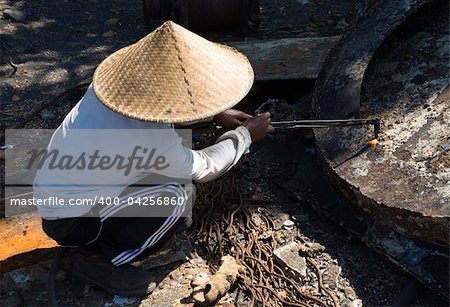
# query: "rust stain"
[[19, 236], [407, 174]]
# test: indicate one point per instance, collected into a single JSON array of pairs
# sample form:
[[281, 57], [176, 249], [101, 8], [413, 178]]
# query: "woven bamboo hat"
[[172, 76]]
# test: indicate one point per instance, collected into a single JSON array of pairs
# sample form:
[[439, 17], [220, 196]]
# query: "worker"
[[120, 171]]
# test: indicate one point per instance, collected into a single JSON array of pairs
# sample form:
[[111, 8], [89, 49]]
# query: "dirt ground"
[[59, 45], [283, 171], [61, 42]]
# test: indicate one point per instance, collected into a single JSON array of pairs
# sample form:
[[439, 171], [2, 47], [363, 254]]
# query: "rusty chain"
[[223, 225]]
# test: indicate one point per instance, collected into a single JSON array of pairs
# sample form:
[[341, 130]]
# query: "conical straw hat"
[[172, 76]]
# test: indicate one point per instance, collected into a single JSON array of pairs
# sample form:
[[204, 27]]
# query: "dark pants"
[[127, 233]]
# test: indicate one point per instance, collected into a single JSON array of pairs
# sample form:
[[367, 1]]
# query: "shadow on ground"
[[59, 45]]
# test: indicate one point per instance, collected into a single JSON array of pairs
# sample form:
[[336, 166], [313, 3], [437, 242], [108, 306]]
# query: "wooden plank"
[[22, 242], [287, 58]]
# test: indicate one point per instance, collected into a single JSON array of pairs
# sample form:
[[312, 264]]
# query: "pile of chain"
[[225, 223]]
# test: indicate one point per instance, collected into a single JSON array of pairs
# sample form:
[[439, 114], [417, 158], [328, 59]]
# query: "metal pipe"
[[327, 123]]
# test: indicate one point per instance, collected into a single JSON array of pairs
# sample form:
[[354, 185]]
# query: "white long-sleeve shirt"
[[91, 127]]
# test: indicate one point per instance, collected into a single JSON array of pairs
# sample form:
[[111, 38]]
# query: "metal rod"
[[328, 123]]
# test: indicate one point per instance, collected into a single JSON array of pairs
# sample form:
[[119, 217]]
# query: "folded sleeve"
[[209, 163], [217, 159]]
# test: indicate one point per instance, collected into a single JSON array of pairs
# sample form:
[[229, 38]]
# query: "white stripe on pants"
[[174, 188]]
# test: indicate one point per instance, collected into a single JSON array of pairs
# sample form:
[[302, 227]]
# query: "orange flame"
[[373, 143]]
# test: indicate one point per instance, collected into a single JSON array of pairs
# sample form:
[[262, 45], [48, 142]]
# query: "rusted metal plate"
[[409, 170], [402, 186], [287, 58], [430, 265], [22, 242], [406, 177], [339, 83]]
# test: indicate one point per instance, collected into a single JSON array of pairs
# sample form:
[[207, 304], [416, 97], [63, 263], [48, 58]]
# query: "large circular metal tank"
[[393, 65]]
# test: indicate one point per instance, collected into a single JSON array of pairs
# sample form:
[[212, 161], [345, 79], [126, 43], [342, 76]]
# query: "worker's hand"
[[259, 126], [231, 118]]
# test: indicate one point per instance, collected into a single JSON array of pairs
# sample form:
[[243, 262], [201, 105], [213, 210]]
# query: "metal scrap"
[[223, 227]]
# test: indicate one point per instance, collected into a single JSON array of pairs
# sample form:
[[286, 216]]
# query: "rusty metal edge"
[[338, 86], [337, 93], [376, 235]]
